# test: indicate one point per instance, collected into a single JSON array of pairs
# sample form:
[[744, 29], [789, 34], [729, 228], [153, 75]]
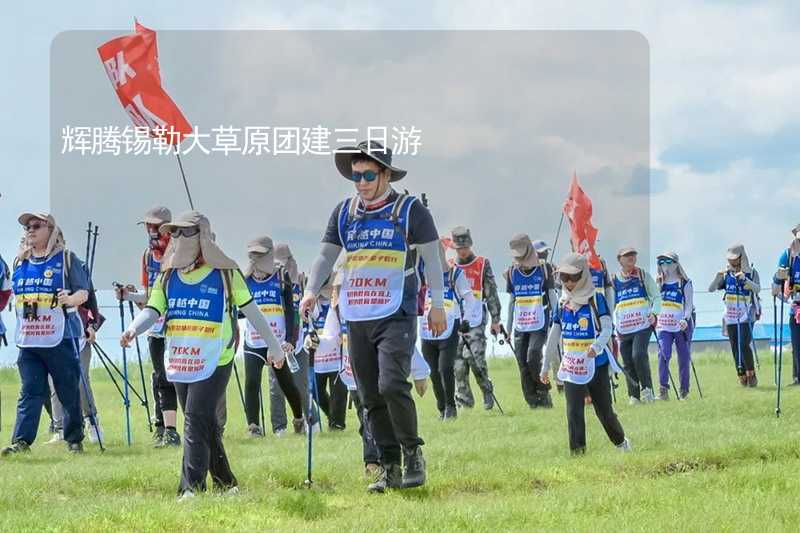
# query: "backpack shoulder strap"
[[230, 308], [398, 206], [595, 315]]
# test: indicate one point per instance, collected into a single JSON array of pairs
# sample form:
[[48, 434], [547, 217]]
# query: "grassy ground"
[[721, 463]]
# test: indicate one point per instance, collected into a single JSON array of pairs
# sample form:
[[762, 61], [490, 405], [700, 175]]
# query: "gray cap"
[[24, 218], [260, 245], [572, 263], [626, 250], [520, 245], [187, 219], [157, 215], [540, 246], [461, 237]]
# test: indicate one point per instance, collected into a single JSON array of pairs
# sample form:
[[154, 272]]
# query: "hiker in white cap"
[[675, 322], [199, 292], [582, 327], [741, 284], [637, 302]]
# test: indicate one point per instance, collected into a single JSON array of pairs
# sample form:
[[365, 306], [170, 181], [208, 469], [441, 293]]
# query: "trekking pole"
[[261, 406], [90, 265], [774, 340], [146, 402], [88, 241], [239, 385], [558, 233], [739, 331], [106, 360], [780, 363], [89, 399], [125, 399], [183, 175], [311, 349]]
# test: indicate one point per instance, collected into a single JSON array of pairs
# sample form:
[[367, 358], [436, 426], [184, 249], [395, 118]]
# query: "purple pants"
[[683, 345]]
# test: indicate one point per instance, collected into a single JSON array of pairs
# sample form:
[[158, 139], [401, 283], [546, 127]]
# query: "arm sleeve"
[[605, 334], [490, 295], [654, 292], [753, 284], [551, 353], [257, 320], [717, 283], [688, 300], [322, 267], [143, 321], [429, 252], [139, 298]]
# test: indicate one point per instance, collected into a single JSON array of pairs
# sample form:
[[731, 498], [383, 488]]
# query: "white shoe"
[[187, 495], [89, 429], [279, 433], [315, 428], [648, 396], [625, 446], [58, 436], [633, 400], [233, 491]]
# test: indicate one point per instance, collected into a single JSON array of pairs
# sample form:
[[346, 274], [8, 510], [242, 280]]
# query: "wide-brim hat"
[[157, 215], [372, 149]]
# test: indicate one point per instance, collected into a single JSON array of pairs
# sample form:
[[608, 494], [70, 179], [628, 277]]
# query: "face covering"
[[262, 265], [187, 250]]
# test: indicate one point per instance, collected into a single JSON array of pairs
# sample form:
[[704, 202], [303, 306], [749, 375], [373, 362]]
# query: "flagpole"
[[558, 232], [183, 175]]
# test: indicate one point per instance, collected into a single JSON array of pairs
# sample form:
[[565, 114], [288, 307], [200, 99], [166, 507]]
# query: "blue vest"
[[579, 324], [632, 307], [528, 299], [268, 296], [36, 285]]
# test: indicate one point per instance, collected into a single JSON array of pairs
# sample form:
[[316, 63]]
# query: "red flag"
[[583, 235], [131, 63]]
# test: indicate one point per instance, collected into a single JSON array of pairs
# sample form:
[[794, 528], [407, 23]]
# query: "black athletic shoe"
[[389, 477], [158, 437], [545, 400], [450, 413], [19, 446], [75, 447], [171, 439], [488, 402], [414, 468]]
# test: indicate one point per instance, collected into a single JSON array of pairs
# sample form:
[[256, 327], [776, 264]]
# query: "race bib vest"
[[474, 272], [328, 357], [375, 264], [577, 336], [528, 299], [36, 285], [599, 280], [195, 314], [451, 310], [153, 270], [671, 307], [632, 307], [737, 300], [268, 297]]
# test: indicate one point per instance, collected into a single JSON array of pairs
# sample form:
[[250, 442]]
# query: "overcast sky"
[[724, 128]]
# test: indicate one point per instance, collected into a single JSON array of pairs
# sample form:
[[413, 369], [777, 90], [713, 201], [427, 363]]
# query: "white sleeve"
[[419, 367]]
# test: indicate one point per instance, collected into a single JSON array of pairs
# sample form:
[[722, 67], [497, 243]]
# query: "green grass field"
[[723, 463]]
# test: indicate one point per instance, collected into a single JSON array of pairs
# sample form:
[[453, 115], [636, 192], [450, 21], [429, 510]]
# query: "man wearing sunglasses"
[[378, 229], [166, 404]]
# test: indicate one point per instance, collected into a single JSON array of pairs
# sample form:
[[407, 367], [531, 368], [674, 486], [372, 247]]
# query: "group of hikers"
[[384, 275]]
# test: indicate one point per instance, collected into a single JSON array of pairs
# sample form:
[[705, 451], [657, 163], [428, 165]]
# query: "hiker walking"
[[530, 285], [637, 302], [740, 283], [166, 399], [377, 228], [786, 286], [675, 323], [199, 292], [271, 288], [440, 350], [471, 350], [582, 327], [331, 390], [50, 283]]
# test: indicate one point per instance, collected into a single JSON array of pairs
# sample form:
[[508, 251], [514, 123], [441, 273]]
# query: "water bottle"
[[291, 360]]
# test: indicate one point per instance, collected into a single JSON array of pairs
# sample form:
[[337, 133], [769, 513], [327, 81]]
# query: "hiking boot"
[[463, 404], [648, 396], [371, 470], [389, 477], [546, 401], [299, 426], [450, 413], [488, 402], [158, 437], [743, 380], [171, 439], [19, 446], [280, 432], [684, 394], [633, 400], [414, 468], [88, 428], [254, 431], [75, 447], [663, 394], [625, 446], [752, 380]]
